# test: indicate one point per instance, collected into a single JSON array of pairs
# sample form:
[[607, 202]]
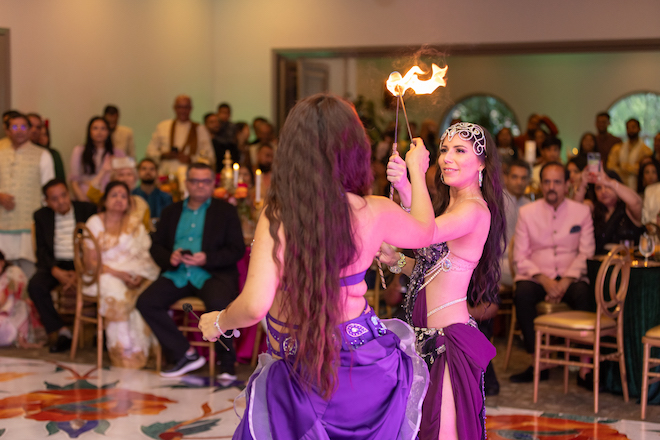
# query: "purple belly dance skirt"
[[467, 352], [381, 387]]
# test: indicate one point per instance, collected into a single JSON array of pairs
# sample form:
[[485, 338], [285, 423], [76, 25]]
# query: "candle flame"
[[398, 85], [258, 172], [236, 166]]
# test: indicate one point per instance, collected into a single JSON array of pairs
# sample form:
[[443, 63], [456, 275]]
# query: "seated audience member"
[[265, 164], [649, 171], [24, 169], [506, 148], [534, 123], [197, 245], [265, 134], [17, 317], [127, 270], [157, 199], [588, 145], [226, 134], [53, 226], [516, 179], [87, 160], [122, 137], [624, 158], [553, 239], [242, 135], [219, 139], [604, 139], [36, 137], [180, 141], [651, 204], [617, 211], [580, 189], [550, 152], [121, 169], [656, 146]]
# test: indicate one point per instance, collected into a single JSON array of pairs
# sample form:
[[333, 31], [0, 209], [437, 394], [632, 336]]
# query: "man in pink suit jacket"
[[553, 239]]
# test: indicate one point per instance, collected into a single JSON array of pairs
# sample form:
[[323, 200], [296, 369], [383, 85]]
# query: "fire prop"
[[398, 85]]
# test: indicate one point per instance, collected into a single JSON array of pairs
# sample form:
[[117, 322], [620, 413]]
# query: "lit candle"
[[236, 168], [530, 152], [257, 185]]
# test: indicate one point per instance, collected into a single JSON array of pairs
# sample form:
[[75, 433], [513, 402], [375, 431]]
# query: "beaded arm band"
[[405, 209]]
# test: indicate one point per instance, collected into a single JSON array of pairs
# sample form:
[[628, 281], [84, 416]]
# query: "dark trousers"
[[39, 288], [528, 294], [154, 304], [490, 378]]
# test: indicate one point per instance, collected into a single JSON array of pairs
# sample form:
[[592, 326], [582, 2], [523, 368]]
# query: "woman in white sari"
[[127, 270]]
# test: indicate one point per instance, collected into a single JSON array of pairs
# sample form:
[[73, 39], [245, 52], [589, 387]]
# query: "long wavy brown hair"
[[323, 154], [485, 278]]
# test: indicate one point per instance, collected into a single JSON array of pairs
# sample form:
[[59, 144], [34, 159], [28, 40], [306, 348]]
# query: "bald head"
[[183, 107]]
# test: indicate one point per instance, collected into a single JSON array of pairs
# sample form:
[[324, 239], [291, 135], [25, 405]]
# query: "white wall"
[[69, 58], [248, 31]]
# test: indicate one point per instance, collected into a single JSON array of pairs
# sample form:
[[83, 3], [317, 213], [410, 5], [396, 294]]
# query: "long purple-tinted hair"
[[484, 285], [323, 154]]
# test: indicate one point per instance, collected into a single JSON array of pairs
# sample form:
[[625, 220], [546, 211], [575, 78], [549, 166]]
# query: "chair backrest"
[[88, 265], [619, 260], [512, 263]]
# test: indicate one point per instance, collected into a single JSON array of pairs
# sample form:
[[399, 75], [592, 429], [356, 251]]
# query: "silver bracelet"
[[404, 208], [235, 333]]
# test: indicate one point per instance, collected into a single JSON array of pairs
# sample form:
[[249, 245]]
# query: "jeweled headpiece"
[[467, 132]]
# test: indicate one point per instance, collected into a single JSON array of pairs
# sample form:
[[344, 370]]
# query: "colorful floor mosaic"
[[41, 399]]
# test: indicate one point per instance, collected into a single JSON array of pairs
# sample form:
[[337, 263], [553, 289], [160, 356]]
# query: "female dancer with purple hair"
[[333, 369], [464, 261]]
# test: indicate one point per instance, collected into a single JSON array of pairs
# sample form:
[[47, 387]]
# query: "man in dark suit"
[[54, 226], [197, 245]]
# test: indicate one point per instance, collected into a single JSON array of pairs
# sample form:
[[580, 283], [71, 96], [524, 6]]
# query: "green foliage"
[[645, 107], [485, 110]]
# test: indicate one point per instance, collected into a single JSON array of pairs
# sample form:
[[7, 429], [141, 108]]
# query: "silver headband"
[[467, 132]]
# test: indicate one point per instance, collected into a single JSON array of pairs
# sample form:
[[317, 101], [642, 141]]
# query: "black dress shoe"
[[492, 389], [528, 376], [588, 382], [63, 343]]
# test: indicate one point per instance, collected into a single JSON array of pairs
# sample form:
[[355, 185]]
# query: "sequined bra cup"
[[429, 262], [355, 332]]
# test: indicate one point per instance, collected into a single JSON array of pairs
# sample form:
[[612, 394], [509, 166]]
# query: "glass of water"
[[646, 247]]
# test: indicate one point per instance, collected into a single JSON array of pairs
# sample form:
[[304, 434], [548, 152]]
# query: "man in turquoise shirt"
[[197, 245]]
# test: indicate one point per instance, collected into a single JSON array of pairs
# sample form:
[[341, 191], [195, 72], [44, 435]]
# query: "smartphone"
[[593, 162], [185, 252]]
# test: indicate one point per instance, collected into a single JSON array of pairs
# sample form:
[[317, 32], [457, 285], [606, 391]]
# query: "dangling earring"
[[481, 178], [442, 178]]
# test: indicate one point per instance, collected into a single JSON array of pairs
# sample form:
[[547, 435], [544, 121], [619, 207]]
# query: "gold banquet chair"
[[650, 339], [588, 327], [198, 307], [88, 270]]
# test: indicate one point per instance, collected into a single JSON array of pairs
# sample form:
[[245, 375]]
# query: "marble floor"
[[44, 395]]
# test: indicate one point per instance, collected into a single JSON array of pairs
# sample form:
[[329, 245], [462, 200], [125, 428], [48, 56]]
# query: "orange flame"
[[398, 84]]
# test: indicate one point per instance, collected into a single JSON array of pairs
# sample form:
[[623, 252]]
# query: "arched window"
[[485, 110], [643, 106]]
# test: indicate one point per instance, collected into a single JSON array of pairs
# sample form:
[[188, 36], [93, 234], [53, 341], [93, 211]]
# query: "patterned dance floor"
[[41, 399]]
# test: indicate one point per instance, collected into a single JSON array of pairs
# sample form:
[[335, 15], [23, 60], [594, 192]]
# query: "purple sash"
[[467, 353], [381, 386]]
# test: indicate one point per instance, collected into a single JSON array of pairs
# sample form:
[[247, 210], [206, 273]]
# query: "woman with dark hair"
[[127, 270], [333, 369], [617, 211], [18, 317], [505, 147], [461, 267], [648, 174], [87, 160], [588, 145]]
